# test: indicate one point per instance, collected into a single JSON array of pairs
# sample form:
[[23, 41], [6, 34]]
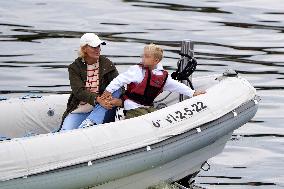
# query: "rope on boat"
[[163, 98]]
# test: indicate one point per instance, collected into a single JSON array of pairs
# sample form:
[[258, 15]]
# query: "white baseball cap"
[[91, 39]]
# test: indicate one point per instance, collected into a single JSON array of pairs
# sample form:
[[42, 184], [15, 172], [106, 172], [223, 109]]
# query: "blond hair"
[[156, 50], [81, 53]]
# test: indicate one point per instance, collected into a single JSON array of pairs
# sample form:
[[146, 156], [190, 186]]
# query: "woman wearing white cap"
[[89, 75]]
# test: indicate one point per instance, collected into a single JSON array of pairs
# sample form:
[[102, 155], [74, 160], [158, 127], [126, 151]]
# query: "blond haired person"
[[89, 75], [145, 82]]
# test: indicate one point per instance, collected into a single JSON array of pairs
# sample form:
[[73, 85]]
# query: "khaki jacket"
[[78, 76]]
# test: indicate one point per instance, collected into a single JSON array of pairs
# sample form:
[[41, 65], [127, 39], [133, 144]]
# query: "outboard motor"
[[186, 65]]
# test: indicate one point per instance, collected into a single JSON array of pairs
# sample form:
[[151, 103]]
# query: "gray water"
[[39, 39]]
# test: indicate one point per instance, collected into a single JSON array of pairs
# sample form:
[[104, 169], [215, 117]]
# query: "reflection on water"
[[39, 40], [175, 6]]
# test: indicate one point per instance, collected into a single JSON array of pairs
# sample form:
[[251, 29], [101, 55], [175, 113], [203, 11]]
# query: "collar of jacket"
[[105, 66]]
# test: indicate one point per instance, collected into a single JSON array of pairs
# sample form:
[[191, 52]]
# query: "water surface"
[[39, 39]]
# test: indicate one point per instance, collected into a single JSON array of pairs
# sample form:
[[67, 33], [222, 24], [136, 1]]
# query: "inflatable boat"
[[165, 145]]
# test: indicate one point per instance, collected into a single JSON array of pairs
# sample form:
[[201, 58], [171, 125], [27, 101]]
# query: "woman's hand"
[[116, 102], [107, 101], [106, 95], [104, 102]]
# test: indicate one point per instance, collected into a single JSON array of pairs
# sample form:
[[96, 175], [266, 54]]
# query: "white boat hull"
[[131, 153]]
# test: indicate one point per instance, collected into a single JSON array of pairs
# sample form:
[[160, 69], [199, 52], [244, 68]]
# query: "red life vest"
[[145, 92]]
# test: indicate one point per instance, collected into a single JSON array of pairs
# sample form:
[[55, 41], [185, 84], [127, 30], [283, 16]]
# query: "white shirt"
[[136, 74]]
